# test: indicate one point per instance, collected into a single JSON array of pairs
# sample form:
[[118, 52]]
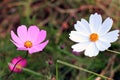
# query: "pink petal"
[[22, 32], [15, 38], [17, 44], [23, 62], [41, 37], [11, 66], [19, 60], [33, 32], [38, 48], [22, 48], [16, 59]]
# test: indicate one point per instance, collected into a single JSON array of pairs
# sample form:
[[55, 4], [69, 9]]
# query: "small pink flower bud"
[[17, 64]]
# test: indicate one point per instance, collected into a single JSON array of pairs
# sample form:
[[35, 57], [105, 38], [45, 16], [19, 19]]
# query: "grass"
[[50, 16]]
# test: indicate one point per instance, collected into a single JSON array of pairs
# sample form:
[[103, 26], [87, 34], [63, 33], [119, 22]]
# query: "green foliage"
[[57, 36]]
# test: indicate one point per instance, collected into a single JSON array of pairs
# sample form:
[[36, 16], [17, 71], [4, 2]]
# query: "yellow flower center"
[[18, 66], [28, 44], [94, 37]]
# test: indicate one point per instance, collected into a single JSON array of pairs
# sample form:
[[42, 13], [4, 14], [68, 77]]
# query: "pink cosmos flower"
[[30, 40], [20, 64]]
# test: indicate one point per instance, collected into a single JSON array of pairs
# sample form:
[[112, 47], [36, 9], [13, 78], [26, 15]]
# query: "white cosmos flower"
[[93, 36]]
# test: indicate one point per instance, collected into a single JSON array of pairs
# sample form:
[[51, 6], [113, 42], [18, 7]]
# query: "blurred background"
[[57, 17]]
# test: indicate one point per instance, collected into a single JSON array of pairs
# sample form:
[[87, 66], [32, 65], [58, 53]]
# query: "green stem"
[[56, 71], [69, 54], [116, 68], [34, 73], [82, 69], [113, 51]]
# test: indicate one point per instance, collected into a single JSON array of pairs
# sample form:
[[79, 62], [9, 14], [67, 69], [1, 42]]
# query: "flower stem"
[[113, 51], [82, 69], [56, 71], [35, 73]]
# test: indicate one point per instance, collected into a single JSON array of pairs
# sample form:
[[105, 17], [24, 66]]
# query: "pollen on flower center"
[[18, 66], [28, 44], [94, 37]]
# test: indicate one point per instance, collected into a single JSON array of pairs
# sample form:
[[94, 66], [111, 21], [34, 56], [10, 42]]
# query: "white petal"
[[106, 26], [77, 37], [83, 27], [95, 22], [80, 46], [110, 36], [86, 25], [91, 50], [101, 45]]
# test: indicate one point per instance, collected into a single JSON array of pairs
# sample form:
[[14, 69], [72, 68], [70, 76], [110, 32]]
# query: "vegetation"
[[57, 17]]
